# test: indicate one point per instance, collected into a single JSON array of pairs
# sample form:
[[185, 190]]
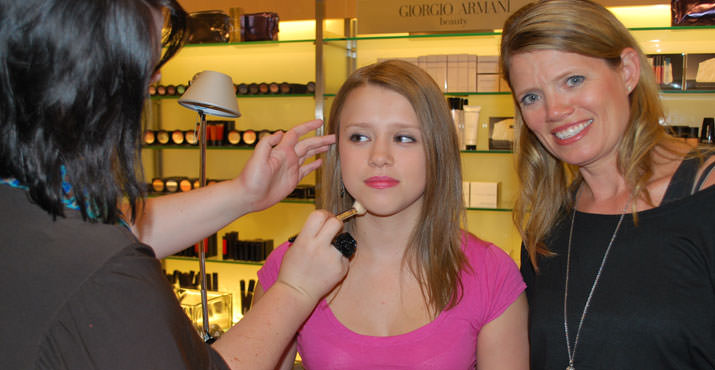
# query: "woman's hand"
[[312, 266], [277, 164]]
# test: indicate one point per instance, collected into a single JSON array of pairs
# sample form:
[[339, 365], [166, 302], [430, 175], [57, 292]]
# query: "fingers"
[[264, 146], [308, 168], [322, 226]]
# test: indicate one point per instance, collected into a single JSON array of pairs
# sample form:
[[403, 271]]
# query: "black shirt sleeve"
[[125, 316]]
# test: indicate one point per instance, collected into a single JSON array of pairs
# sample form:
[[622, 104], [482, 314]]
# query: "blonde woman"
[[420, 293], [617, 218]]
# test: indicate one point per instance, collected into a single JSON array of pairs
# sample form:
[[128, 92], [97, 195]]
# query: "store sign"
[[388, 16]]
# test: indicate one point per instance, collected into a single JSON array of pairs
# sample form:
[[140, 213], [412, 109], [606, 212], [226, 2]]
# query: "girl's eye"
[[575, 80], [405, 139], [529, 99], [357, 137]]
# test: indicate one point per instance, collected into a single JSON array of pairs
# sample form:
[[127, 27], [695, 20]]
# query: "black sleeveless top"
[[654, 306]]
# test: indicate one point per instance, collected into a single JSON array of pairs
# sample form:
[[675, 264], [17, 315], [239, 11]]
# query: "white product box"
[[487, 64], [437, 68], [457, 72], [471, 73], [488, 82], [483, 194]]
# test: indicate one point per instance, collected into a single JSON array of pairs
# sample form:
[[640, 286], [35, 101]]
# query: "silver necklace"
[[572, 352]]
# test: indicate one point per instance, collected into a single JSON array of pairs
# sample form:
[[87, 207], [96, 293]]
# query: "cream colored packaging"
[[471, 126]]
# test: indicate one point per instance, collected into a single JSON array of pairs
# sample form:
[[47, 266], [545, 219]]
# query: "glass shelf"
[[490, 209], [196, 147], [163, 97], [212, 260], [487, 151]]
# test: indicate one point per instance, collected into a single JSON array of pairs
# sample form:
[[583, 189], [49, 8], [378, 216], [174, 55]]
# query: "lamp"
[[211, 93]]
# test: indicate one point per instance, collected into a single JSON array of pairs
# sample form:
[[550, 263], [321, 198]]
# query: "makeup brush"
[[344, 242], [356, 210]]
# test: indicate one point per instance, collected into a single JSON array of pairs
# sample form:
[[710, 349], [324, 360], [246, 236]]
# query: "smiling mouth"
[[572, 130], [380, 182]]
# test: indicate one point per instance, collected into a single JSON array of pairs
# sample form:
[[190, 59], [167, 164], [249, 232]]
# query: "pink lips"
[[381, 182]]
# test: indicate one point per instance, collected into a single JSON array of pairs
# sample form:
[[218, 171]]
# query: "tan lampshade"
[[212, 93]]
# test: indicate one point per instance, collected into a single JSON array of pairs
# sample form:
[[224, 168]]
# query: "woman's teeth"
[[572, 131]]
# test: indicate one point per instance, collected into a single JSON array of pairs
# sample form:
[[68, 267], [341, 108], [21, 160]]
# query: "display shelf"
[[214, 260]]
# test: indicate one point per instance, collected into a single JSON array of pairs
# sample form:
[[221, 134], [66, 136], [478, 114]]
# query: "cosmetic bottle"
[[152, 90], [263, 88], [285, 88], [157, 185], [185, 185], [180, 89], [190, 137], [471, 126], [170, 90], [274, 88], [707, 136], [242, 89], [149, 137], [161, 90], [456, 109], [177, 137], [172, 185], [249, 137], [162, 137], [253, 89], [234, 137]]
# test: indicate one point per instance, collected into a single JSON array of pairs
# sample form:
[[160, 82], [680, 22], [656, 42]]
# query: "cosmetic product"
[[456, 106], [274, 88], [471, 126], [196, 184], [284, 88], [152, 90], [692, 137], [263, 133], [249, 137], [161, 90], [234, 137], [157, 185], [149, 137], [171, 90], [162, 137], [172, 185], [310, 87], [707, 136], [180, 89], [356, 210], [185, 185], [298, 89], [253, 88], [344, 242], [263, 88], [242, 89], [177, 137], [667, 71], [190, 137]]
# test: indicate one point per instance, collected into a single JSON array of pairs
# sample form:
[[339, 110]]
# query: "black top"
[[654, 307], [77, 295]]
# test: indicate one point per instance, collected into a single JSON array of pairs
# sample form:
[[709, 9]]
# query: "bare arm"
[[287, 359], [260, 339], [503, 343], [170, 223]]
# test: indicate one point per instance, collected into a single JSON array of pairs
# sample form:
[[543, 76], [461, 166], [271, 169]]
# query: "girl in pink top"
[[420, 293]]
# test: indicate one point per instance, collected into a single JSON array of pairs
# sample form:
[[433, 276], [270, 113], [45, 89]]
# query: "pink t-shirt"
[[448, 342]]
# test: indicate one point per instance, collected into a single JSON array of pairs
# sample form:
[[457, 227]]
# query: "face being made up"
[[381, 151], [577, 106]]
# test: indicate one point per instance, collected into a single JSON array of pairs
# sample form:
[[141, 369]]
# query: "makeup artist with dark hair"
[[617, 217], [79, 290]]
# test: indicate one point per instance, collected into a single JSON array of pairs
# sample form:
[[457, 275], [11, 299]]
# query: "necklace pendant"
[[570, 367]]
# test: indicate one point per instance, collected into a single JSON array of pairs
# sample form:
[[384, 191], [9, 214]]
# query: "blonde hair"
[[547, 184], [434, 254]]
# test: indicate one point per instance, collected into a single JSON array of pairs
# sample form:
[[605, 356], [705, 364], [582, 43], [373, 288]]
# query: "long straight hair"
[[74, 77], [434, 254], [586, 28]]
